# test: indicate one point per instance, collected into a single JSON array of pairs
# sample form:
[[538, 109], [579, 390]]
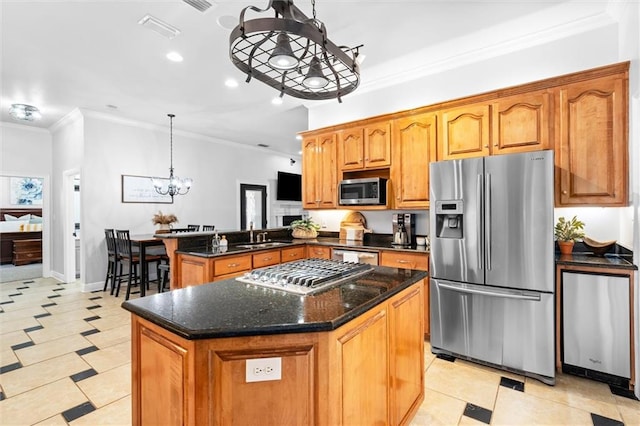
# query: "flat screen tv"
[[289, 187]]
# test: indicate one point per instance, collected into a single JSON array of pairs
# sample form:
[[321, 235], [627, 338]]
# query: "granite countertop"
[[232, 308], [239, 248], [612, 261]]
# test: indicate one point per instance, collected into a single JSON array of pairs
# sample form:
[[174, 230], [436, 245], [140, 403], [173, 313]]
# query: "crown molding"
[[433, 59], [71, 117], [27, 127]]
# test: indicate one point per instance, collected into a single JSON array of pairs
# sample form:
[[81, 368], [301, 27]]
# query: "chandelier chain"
[[313, 8]]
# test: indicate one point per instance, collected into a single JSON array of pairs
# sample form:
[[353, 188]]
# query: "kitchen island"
[[236, 353]]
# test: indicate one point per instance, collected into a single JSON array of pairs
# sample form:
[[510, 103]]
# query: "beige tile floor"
[[65, 359]]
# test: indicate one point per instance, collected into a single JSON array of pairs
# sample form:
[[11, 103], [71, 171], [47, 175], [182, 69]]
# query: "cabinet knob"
[[564, 192], [486, 146]]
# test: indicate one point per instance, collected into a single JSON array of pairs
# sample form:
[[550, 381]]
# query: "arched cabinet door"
[[591, 150], [414, 147]]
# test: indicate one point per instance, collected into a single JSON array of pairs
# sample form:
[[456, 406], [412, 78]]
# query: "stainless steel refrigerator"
[[492, 261]]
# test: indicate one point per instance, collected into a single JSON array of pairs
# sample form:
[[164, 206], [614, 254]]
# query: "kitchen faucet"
[[262, 237], [250, 232]]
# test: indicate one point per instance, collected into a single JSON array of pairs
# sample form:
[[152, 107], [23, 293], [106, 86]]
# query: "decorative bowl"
[[599, 248], [304, 233]]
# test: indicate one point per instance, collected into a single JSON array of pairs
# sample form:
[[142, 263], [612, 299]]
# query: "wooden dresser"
[[27, 251]]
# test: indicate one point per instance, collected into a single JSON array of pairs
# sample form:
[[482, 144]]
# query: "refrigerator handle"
[[482, 292], [487, 220], [479, 197]]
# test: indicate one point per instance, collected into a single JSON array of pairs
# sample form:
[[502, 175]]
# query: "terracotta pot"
[[566, 247]]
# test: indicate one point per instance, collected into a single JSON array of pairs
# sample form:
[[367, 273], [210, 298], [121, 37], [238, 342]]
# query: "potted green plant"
[[567, 232], [304, 228]]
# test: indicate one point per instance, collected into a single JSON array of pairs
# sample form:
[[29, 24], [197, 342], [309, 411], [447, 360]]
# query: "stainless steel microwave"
[[363, 192]]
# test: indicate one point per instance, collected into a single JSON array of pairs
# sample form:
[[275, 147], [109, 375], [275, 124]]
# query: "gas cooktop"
[[305, 276]]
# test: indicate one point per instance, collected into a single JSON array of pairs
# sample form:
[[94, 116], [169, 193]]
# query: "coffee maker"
[[404, 229]]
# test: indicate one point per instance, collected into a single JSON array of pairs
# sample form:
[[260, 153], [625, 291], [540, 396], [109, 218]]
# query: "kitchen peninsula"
[[235, 353]]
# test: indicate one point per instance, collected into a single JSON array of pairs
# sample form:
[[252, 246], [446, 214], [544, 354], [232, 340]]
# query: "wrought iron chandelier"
[[174, 185], [292, 54]]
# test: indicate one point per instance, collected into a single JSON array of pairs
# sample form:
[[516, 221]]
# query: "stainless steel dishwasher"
[[596, 326]]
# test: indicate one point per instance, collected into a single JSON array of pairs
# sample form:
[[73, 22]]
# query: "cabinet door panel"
[[328, 171], [465, 132], [521, 123], [377, 145], [593, 143], [310, 172], [414, 147], [406, 346], [365, 380], [351, 149]]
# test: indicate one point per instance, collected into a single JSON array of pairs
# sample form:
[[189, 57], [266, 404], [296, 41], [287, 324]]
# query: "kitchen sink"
[[262, 245]]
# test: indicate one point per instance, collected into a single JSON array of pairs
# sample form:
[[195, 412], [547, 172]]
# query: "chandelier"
[[174, 185], [292, 54], [24, 112]]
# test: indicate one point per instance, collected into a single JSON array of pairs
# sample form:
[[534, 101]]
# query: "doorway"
[[71, 226], [253, 206]]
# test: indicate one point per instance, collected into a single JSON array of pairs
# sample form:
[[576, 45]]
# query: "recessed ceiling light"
[[24, 112], [111, 106], [161, 27], [299, 137], [174, 57], [262, 145], [227, 21], [230, 82], [277, 100]]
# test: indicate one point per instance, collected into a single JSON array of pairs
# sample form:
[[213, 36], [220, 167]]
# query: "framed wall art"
[[26, 191], [139, 189]]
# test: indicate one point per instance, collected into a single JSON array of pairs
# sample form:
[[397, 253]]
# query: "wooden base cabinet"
[[369, 371], [419, 261]]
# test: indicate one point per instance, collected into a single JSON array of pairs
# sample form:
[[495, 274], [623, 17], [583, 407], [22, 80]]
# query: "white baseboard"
[[89, 287], [58, 276]]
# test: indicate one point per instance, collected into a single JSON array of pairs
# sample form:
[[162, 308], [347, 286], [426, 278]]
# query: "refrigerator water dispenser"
[[449, 219]]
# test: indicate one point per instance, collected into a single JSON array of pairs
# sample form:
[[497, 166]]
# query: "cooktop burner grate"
[[305, 276]]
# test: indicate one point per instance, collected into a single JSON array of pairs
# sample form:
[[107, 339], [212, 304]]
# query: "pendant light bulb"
[[282, 57], [315, 79]]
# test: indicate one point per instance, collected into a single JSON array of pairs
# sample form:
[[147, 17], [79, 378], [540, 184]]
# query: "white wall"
[[68, 154], [114, 147], [27, 151]]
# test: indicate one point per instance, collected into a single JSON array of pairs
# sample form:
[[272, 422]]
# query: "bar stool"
[[113, 260], [194, 228], [208, 227], [132, 258]]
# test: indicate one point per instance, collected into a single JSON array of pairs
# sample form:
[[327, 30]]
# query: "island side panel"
[[406, 354], [162, 376], [228, 399]]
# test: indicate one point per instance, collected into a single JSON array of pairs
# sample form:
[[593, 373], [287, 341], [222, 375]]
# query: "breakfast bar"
[[232, 352]]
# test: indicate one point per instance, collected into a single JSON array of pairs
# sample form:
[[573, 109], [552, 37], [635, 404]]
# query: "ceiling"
[[60, 55]]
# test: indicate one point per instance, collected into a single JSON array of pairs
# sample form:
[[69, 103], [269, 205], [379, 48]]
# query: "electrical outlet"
[[263, 369]]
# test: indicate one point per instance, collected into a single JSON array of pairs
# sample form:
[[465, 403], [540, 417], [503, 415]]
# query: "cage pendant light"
[[174, 185], [292, 53]]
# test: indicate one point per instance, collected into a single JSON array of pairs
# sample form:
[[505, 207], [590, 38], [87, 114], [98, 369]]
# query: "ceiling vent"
[[201, 5], [162, 28]]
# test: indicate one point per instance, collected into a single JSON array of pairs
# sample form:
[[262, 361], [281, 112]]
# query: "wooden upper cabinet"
[[365, 147], [319, 171], [591, 150], [464, 132], [521, 123], [414, 147]]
